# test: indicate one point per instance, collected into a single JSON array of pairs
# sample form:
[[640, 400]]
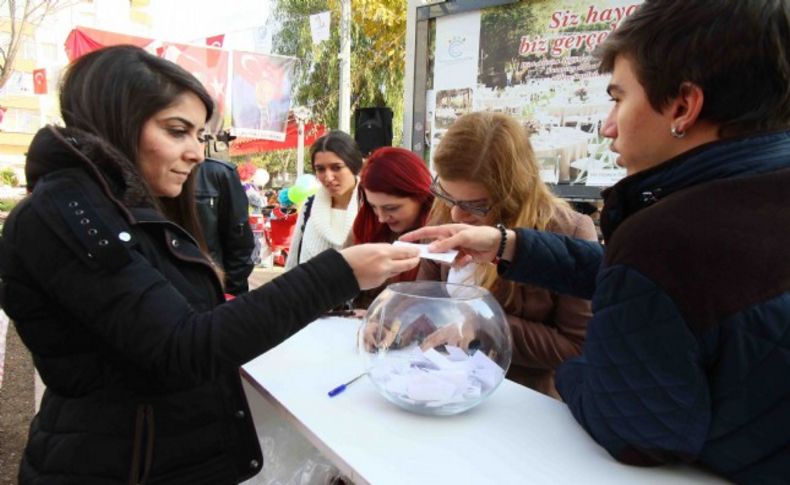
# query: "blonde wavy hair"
[[493, 149]]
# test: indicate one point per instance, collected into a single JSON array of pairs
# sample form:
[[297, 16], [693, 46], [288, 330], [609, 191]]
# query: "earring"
[[677, 133]]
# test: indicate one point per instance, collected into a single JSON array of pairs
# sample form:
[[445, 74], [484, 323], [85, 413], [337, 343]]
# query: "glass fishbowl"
[[435, 348]]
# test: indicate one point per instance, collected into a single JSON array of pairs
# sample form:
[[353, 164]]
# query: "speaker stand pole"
[[301, 113], [344, 116], [300, 150]]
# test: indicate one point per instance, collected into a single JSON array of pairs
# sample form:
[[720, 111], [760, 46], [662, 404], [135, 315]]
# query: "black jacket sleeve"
[[222, 207], [559, 263], [139, 315], [235, 234]]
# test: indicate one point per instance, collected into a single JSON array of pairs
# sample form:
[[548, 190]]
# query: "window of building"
[[19, 83], [27, 46], [49, 53], [20, 120]]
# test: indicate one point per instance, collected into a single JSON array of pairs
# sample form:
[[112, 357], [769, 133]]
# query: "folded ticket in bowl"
[[446, 257]]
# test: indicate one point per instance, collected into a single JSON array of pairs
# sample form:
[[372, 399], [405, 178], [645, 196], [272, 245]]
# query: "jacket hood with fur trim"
[[56, 148]]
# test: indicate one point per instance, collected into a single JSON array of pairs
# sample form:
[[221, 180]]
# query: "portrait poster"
[[210, 66], [261, 95]]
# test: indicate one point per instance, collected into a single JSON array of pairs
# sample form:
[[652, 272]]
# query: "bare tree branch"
[[33, 12]]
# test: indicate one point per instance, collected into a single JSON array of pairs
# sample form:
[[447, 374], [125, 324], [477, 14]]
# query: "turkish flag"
[[40, 81], [215, 41], [210, 66]]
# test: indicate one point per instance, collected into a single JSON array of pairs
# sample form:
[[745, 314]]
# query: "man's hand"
[[459, 335], [474, 243], [373, 264], [375, 336]]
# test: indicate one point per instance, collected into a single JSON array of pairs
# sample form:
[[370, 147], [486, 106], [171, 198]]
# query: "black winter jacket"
[[223, 212], [122, 314], [688, 350]]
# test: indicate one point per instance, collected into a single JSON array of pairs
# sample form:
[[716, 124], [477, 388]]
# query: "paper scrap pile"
[[434, 379]]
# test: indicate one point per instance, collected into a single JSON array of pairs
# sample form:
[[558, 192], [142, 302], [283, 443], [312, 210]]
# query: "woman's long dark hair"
[[112, 92]]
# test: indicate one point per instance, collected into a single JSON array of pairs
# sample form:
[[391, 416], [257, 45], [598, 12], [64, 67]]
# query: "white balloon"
[[261, 177]]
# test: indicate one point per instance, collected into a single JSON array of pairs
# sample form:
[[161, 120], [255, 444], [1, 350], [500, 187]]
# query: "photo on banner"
[[261, 95], [534, 62], [449, 105]]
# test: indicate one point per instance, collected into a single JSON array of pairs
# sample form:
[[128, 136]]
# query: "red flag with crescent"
[[210, 66], [40, 81], [215, 41]]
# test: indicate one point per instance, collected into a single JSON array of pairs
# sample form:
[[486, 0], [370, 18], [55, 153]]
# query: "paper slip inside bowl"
[[446, 257]]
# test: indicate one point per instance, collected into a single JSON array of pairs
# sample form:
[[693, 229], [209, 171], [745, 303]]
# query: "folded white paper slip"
[[446, 257]]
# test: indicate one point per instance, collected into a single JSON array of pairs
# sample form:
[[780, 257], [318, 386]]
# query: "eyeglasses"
[[472, 207]]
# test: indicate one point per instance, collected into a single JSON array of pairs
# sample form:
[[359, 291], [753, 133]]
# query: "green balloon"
[[297, 194], [308, 182]]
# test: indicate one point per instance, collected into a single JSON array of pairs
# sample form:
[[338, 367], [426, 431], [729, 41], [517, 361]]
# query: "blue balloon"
[[283, 199]]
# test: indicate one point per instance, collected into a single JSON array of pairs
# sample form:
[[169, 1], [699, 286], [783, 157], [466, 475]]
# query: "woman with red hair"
[[394, 197]]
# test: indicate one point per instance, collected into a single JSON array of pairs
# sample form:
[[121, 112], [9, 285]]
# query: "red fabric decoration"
[[82, 40], [215, 41], [312, 132], [246, 171]]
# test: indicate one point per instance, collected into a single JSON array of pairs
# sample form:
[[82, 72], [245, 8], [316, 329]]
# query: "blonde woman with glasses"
[[487, 175]]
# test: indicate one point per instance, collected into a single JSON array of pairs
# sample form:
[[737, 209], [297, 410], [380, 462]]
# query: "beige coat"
[[547, 328]]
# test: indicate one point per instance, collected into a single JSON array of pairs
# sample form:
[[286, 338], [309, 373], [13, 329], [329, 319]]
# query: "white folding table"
[[516, 436]]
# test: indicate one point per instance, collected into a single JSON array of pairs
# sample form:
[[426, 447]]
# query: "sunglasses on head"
[[472, 207]]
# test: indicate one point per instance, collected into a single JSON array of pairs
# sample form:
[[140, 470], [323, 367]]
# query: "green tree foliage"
[[503, 27], [275, 162], [8, 177], [378, 33]]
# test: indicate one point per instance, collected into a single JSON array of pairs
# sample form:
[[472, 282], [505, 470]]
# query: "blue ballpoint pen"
[[342, 387]]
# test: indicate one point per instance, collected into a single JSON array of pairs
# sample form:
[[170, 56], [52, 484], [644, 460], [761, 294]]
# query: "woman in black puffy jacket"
[[114, 296]]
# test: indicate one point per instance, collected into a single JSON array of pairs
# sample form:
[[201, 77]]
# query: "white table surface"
[[517, 436]]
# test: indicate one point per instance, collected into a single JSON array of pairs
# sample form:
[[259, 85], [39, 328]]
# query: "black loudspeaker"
[[372, 128]]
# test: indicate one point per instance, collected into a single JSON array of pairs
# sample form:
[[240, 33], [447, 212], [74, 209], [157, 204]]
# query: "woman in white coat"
[[326, 218]]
